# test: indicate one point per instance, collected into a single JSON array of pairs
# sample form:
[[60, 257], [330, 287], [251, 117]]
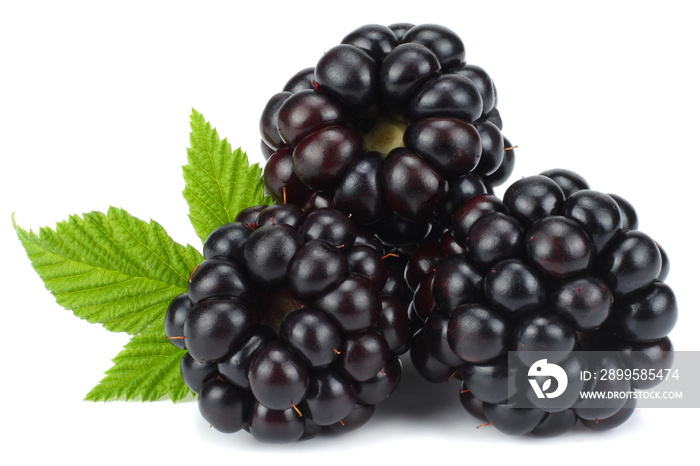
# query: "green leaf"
[[112, 269], [148, 368], [219, 182]]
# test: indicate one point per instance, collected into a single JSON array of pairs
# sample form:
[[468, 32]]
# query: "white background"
[[95, 100]]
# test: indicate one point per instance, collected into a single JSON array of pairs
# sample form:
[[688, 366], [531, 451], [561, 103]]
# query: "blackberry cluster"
[[388, 237], [553, 266], [290, 324], [392, 126]]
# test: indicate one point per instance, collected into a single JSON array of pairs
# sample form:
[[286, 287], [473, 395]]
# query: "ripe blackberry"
[[287, 325], [553, 266], [392, 126]]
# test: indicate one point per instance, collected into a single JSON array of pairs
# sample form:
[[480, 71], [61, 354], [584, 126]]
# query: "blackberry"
[[392, 127], [287, 327], [553, 266]]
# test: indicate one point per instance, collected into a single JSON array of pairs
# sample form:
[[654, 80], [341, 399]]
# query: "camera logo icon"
[[541, 369]]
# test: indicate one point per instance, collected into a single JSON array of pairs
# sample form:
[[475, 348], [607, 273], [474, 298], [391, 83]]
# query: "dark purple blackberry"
[[554, 424], [388, 124], [656, 355], [477, 333], [316, 200], [227, 241], [511, 420], [358, 417], [278, 378], [363, 176], [374, 39], [514, 287], [426, 363], [268, 121], [305, 112], [249, 216], [287, 326], [492, 148], [444, 43], [559, 247], [459, 191], [422, 261], [481, 80], [324, 155], [616, 420], [457, 281], [586, 302], [331, 397], [452, 144], [316, 267], [403, 72], [645, 315], [218, 277], [504, 171], [493, 238], [175, 316], [533, 198], [631, 262], [470, 211], [554, 267], [234, 367], [449, 95], [395, 231], [280, 179], [394, 324], [423, 304], [349, 75], [627, 213], [412, 186], [275, 426], [396, 286], [490, 381], [196, 373], [224, 405], [400, 29], [543, 331], [215, 326], [436, 330], [277, 214], [269, 251], [471, 404], [589, 410], [598, 214], [366, 261], [313, 336], [383, 384], [353, 303], [329, 225], [301, 80], [568, 181]]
